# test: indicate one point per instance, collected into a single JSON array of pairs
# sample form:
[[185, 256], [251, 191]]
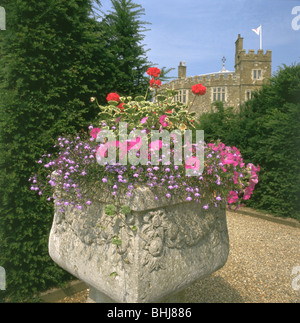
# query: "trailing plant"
[[125, 148]]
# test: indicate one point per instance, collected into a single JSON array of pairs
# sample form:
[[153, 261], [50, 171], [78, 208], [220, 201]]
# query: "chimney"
[[238, 48], [239, 44], [182, 70]]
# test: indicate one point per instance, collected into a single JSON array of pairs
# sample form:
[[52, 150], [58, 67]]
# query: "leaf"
[[116, 241], [161, 98], [125, 209], [114, 103], [109, 209], [139, 98], [131, 110]]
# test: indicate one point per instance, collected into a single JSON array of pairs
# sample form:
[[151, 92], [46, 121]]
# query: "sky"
[[201, 32]]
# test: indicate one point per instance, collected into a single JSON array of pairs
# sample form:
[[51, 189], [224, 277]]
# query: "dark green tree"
[[52, 60], [270, 128], [267, 132], [124, 35]]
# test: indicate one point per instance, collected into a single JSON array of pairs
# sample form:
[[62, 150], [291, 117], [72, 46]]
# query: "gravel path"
[[259, 267]]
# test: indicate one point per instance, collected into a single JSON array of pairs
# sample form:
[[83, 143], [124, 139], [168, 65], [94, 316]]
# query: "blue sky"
[[200, 32]]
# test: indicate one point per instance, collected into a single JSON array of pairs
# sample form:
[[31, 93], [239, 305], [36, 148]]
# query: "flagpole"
[[260, 40]]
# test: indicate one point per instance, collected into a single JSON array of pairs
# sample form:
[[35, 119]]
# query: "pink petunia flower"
[[235, 177], [162, 120], [248, 193], [144, 120], [192, 163], [134, 144], [232, 197], [95, 132], [155, 145]]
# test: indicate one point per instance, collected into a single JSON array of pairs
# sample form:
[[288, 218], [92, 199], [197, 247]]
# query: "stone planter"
[[165, 247]]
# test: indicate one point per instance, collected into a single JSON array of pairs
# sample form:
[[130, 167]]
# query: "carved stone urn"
[[165, 246]]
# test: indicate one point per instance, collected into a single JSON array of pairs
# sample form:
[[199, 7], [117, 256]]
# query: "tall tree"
[[52, 60], [267, 132], [124, 34]]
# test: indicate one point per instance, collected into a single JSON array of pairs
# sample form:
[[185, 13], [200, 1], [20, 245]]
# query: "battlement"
[[260, 55], [209, 78], [213, 79]]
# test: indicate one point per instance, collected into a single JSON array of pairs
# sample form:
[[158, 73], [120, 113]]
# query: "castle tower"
[[253, 68]]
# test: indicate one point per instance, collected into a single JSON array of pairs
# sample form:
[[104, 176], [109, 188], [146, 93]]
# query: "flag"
[[257, 30]]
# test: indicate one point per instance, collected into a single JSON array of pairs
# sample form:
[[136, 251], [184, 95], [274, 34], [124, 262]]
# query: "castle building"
[[252, 70]]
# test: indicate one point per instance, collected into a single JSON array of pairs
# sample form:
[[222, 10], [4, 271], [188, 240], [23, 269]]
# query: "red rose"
[[153, 71], [199, 89], [113, 97]]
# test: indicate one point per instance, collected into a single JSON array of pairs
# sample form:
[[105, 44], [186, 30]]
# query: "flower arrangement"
[[98, 159]]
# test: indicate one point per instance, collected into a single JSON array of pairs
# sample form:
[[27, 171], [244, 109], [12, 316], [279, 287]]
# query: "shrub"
[[266, 130], [51, 63]]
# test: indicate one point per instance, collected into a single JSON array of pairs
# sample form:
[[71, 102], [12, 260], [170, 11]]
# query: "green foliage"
[[109, 209], [220, 123], [113, 274], [125, 209], [266, 131], [135, 110], [53, 59], [123, 33], [116, 241]]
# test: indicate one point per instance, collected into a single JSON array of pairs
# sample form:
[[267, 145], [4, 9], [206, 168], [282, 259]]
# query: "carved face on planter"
[[155, 247]]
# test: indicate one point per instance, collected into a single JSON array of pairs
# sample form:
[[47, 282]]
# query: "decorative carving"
[[161, 250], [167, 228], [153, 235]]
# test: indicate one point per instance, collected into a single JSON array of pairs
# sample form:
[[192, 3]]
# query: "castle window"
[[181, 96], [184, 96], [256, 74], [219, 94]]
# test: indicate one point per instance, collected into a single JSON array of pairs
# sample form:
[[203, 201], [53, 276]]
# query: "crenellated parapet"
[[259, 55], [208, 80]]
